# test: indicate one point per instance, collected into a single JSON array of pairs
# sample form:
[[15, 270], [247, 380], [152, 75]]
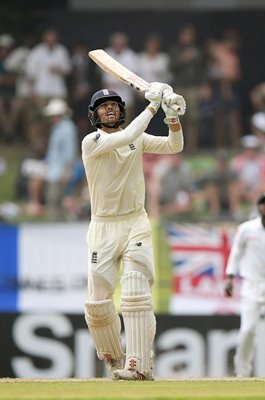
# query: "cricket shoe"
[[132, 375], [113, 365], [131, 371]]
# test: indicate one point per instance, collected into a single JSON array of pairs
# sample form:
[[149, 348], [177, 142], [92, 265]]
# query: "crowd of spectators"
[[35, 73]]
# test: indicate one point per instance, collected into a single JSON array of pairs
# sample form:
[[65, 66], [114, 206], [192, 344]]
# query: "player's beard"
[[113, 123]]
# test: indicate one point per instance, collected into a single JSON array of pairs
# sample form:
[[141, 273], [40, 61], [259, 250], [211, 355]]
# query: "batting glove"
[[173, 105], [171, 113], [175, 99], [155, 93]]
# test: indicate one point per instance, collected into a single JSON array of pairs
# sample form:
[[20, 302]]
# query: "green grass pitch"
[[104, 389]]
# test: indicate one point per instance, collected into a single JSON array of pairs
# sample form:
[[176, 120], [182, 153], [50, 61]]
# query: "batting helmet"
[[100, 97]]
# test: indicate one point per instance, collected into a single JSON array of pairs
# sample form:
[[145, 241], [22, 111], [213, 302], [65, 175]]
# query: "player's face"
[[109, 113]]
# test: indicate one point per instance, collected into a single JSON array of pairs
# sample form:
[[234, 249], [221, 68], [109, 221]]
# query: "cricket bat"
[[119, 71], [114, 68]]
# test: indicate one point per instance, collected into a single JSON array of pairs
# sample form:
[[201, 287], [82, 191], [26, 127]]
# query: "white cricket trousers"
[[252, 302], [115, 240]]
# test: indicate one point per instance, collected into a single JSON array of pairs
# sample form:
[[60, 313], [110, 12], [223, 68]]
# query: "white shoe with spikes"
[[113, 365], [132, 375]]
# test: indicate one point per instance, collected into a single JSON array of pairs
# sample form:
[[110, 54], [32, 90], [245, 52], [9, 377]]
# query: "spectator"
[[59, 160], [221, 187], [249, 165], [80, 84], [47, 67], [15, 63], [154, 67], [224, 74], [61, 155], [153, 61], [172, 187], [119, 49], [186, 66]]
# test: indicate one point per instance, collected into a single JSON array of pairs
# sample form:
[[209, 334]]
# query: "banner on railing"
[[43, 267], [57, 345]]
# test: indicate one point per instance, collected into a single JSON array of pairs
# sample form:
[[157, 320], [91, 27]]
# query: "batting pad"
[[104, 326], [139, 321]]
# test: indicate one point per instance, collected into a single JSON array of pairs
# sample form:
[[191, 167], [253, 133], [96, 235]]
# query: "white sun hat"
[[250, 141], [56, 107]]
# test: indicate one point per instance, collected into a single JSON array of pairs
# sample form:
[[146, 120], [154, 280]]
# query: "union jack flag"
[[199, 256]]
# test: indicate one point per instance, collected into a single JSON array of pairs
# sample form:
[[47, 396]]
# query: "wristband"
[[171, 120], [152, 109]]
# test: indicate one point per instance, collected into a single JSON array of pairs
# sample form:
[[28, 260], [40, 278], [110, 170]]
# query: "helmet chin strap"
[[107, 125], [116, 125]]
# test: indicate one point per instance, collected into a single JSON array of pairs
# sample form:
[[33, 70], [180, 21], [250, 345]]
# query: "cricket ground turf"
[[105, 389]]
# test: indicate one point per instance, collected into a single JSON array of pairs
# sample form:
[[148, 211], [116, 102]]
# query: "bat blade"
[[119, 71]]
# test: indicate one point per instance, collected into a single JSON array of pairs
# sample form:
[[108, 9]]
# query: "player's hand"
[[171, 113], [228, 288], [155, 93], [171, 98]]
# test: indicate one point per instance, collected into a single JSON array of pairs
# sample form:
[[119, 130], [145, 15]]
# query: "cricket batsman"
[[119, 234]]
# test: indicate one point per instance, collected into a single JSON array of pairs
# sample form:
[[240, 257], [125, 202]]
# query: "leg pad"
[[104, 326], [139, 322]]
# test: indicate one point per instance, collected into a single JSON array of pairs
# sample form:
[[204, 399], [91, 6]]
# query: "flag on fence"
[[199, 256]]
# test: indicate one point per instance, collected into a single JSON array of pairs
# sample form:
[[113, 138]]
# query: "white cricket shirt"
[[247, 255], [113, 165]]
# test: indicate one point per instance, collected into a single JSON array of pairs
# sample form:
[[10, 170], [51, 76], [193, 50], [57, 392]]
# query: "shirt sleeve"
[[237, 251], [98, 143], [171, 144]]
